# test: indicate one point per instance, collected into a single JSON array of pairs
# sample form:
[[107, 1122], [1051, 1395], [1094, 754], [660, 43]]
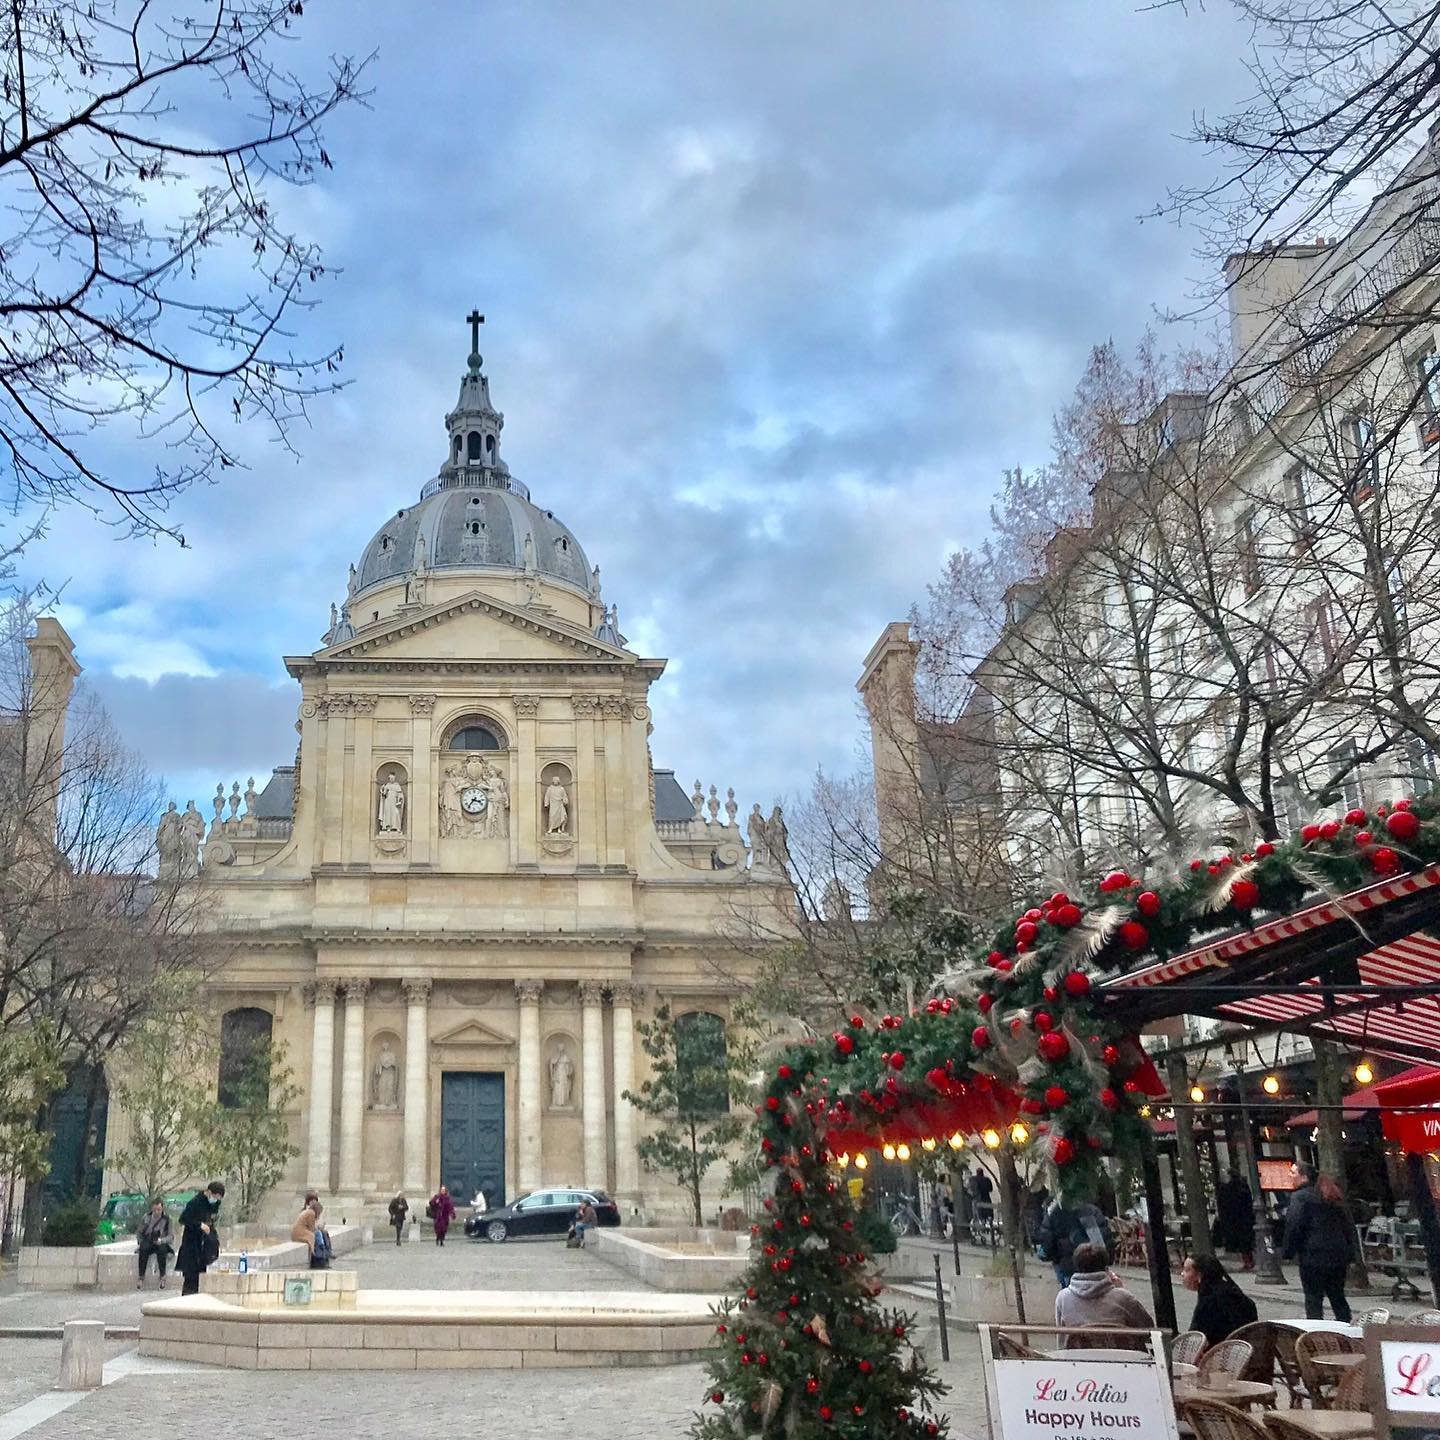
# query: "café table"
[[1335, 1327], [1339, 1363], [1333, 1424], [1240, 1393]]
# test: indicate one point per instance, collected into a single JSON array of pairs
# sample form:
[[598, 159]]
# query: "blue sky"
[[774, 288]]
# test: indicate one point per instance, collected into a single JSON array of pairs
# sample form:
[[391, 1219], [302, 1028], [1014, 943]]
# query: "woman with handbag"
[[442, 1211], [399, 1211], [153, 1238], [199, 1244]]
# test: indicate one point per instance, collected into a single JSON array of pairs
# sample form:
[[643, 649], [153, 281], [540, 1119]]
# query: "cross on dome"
[[475, 320]]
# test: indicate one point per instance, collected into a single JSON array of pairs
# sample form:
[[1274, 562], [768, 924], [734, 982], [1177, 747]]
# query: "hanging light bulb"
[[1271, 1084], [928, 1143], [902, 1151], [1364, 1072], [842, 1161], [1197, 1093], [956, 1140], [888, 1150], [1019, 1134], [862, 1162], [1145, 1112], [991, 1139]]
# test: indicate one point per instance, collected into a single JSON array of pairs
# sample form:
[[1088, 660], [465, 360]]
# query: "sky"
[[774, 291]]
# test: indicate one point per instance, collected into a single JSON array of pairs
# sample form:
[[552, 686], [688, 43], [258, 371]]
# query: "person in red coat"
[[442, 1212]]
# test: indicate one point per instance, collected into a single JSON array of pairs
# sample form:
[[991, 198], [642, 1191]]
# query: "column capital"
[[321, 990], [584, 706], [614, 707], [527, 707], [422, 704], [355, 990], [624, 992], [417, 991], [528, 992], [592, 992]]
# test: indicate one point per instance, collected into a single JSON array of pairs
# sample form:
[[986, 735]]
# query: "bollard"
[[940, 1305], [82, 1355]]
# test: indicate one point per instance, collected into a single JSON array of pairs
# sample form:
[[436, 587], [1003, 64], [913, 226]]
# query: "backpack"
[[320, 1258], [429, 1209]]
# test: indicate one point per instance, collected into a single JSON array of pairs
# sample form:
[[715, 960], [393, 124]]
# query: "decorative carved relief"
[[355, 991], [346, 704], [471, 995], [623, 992], [321, 990], [417, 992], [528, 992], [614, 707], [592, 992], [422, 704], [586, 707], [474, 801], [527, 707]]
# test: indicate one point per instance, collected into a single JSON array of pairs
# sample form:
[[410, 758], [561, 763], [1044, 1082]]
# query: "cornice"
[[474, 939]]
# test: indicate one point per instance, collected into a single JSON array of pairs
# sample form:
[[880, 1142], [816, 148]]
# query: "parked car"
[[123, 1213], [542, 1212]]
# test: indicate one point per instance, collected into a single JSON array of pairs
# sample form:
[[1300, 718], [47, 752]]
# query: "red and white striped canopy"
[[1376, 939]]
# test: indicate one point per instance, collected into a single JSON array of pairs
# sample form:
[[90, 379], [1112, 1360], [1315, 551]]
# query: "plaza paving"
[[155, 1398]]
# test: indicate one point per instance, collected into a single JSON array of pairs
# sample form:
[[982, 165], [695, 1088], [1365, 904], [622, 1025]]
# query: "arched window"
[[701, 1088], [490, 446], [245, 1058], [475, 736], [459, 445], [472, 445]]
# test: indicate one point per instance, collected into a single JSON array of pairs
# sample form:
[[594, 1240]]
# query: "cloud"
[[775, 292]]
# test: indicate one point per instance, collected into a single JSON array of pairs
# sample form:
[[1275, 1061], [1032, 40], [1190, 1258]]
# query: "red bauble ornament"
[[1355, 817], [1067, 915], [1034, 914], [1330, 829], [1384, 861], [783, 1073], [980, 1037], [1003, 965], [1110, 1054], [812, 1385], [1403, 825], [937, 1077], [1109, 1099], [1133, 935], [1132, 1087], [1053, 1046], [1077, 983], [864, 1367], [1056, 1096], [1402, 805], [1147, 902], [984, 1003], [857, 1022], [1264, 849], [1115, 880], [897, 1060], [844, 1043], [1051, 994], [1363, 837], [1044, 1021], [771, 1103], [1025, 932], [994, 957], [1032, 1107], [1244, 894], [1309, 832], [1197, 864], [1064, 1151], [826, 1412], [718, 1396]]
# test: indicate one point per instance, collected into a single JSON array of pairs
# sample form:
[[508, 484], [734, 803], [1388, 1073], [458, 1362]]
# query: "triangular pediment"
[[477, 627], [472, 1032]]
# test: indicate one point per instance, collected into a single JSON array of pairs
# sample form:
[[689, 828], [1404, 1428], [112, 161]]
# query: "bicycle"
[[904, 1218]]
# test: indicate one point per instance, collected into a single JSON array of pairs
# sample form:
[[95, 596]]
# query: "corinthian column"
[[417, 1082], [528, 993], [622, 1044], [322, 1083], [352, 1086], [592, 1098]]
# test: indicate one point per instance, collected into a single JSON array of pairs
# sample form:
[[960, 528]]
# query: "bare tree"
[[147, 277]]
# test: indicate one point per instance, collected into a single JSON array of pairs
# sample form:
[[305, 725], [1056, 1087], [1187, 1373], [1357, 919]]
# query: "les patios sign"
[[1412, 1376], [1081, 1399]]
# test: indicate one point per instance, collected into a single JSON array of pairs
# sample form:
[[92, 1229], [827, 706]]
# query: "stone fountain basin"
[[349, 1329]]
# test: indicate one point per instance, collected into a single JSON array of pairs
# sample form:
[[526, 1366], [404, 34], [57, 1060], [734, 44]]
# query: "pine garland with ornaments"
[[1013, 1038]]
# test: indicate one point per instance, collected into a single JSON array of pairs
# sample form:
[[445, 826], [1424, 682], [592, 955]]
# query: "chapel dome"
[[474, 515]]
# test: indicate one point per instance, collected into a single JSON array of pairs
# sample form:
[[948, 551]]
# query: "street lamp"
[[1267, 1262]]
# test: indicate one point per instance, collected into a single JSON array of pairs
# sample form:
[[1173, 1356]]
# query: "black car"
[[542, 1212]]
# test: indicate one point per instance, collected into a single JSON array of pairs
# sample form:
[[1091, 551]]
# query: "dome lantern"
[[474, 425]]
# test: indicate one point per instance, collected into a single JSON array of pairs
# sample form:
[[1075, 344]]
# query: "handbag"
[[572, 1239]]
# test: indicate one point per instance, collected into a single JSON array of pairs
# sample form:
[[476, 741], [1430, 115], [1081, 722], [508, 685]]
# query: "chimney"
[[1260, 284], [53, 669]]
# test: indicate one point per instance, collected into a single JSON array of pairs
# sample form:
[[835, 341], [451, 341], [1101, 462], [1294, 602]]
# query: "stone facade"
[[471, 869]]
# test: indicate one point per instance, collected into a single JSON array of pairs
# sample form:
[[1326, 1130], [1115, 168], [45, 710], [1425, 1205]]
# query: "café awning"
[[1366, 1100], [1416, 1131]]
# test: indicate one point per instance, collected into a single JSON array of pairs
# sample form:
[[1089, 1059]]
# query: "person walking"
[[199, 1244], [153, 1238], [1064, 1230], [1319, 1235], [399, 1211], [442, 1212], [1221, 1306], [1234, 1227]]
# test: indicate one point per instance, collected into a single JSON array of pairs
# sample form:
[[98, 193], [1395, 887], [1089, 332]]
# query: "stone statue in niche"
[[562, 1079], [557, 808], [391, 817], [385, 1079]]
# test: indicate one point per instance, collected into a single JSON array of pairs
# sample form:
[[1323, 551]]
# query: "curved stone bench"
[[426, 1329]]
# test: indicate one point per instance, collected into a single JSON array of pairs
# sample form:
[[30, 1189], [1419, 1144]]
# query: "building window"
[[1426, 368], [1351, 791], [1322, 620], [1300, 495], [701, 1088], [472, 445], [1420, 767], [475, 736], [245, 1058], [1364, 456], [1247, 545]]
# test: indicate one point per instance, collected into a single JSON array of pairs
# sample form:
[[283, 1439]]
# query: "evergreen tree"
[[808, 1352]]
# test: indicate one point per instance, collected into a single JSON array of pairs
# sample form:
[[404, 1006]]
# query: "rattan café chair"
[[1212, 1420], [1319, 1384], [1229, 1357], [1009, 1348], [1352, 1393], [1188, 1347]]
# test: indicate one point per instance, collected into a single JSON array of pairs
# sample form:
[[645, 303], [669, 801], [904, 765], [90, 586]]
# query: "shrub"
[[734, 1219], [876, 1233], [72, 1224]]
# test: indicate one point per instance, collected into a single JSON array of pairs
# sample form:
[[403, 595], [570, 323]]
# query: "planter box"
[[58, 1267], [990, 1299], [655, 1256]]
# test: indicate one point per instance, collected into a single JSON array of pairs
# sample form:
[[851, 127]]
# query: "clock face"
[[473, 800]]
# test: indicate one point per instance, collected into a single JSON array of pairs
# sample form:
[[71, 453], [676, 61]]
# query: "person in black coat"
[[1234, 1227], [199, 1244], [1318, 1234], [1221, 1306]]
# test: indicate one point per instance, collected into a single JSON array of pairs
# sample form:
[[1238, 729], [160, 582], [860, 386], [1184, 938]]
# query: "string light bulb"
[[1197, 1093], [928, 1143], [842, 1160], [956, 1140], [1364, 1072], [888, 1150], [862, 1162], [991, 1138], [1019, 1134], [902, 1151], [1145, 1112], [1271, 1084]]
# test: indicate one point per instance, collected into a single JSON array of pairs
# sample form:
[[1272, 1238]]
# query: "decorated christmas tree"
[[808, 1350]]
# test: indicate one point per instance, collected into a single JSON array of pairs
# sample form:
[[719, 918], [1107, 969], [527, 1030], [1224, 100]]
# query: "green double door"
[[472, 1135]]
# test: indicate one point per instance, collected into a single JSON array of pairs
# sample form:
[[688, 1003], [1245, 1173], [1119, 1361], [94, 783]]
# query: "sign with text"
[[1412, 1375], [1403, 1365], [1082, 1399], [1278, 1175], [299, 1289]]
